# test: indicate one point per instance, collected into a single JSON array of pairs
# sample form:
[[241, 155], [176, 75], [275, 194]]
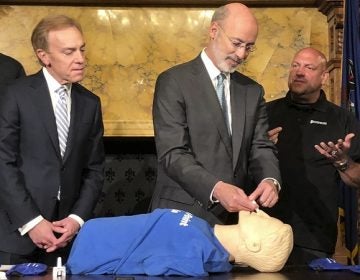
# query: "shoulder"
[[276, 103], [184, 68], [338, 111], [5, 59], [244, 80], [31, 81], [83, 92]]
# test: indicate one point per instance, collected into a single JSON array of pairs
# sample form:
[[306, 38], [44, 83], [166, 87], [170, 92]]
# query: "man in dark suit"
[[10, 69], [214, 158], [48, 191]]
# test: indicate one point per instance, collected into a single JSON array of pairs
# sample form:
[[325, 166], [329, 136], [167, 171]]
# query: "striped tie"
[[62, 121], [220, 92]]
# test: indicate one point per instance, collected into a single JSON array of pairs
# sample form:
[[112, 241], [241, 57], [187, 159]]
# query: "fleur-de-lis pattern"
[[129, 184]]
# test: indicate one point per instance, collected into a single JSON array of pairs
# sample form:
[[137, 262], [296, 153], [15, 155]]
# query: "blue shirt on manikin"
[[164, 242]]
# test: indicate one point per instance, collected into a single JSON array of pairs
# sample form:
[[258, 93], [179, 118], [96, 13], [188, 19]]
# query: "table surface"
[[241, 273]]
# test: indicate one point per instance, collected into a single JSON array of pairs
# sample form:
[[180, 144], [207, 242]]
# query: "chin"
[[233, 69], [297, 90], [77, 78]]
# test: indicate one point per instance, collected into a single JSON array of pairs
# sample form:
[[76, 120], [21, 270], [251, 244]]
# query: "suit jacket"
[[194, 148], [10, 69], [31, 167]]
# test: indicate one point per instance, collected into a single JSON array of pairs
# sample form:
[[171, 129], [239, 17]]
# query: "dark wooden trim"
[[162, 3], [129, 145]]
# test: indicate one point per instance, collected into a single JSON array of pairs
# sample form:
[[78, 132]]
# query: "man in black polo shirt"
[[318, 145]]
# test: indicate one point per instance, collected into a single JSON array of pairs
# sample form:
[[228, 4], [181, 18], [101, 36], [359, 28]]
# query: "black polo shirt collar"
[[319, 105]]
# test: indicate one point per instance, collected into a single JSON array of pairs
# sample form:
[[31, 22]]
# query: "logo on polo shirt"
[[318, 122], [185, 220]]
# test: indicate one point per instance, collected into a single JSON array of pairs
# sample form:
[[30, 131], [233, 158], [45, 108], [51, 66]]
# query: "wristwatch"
[[277, 185], [275, 182], [342, 166]]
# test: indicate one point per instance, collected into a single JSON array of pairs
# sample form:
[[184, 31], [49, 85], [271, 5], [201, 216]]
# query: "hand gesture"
[[266, 194], [232, 198], [336, 152], [274, 134]]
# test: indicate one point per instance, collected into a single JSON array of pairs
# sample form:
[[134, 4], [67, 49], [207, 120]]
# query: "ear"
[[253, 245], [213, 29], [325, 77], [43, 56]]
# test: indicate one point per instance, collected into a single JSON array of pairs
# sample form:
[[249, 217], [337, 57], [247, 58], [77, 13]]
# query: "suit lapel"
[[205, 85], [238, 116], [76, 112], [40, 97]]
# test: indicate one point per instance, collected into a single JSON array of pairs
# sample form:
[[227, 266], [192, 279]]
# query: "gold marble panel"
[[128, 47]]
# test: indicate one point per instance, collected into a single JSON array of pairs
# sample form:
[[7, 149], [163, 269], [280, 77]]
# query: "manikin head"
[[258, 240]]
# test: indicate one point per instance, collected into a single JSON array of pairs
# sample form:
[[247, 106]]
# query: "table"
[[239, 273]]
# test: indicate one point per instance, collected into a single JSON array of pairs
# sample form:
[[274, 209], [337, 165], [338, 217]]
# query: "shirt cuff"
[[276, 183], [30, 225], [77, 218], [212, 201]]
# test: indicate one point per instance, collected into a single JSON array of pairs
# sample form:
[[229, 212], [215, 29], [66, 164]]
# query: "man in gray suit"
[[47, 189], [214, 156]]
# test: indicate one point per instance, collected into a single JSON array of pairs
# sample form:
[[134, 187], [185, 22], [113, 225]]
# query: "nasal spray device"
[[59, 271]]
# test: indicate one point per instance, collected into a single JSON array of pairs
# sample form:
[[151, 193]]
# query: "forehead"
[[67, 34], [241, 27], [260, 220], [308, 58]]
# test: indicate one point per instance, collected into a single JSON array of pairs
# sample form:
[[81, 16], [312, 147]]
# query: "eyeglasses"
[[239, 44]]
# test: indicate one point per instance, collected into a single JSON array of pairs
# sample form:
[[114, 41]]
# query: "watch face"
[[342, 166]]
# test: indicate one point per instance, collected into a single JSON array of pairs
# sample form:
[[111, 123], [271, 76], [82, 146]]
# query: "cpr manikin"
[[258, 240], [175, 242]]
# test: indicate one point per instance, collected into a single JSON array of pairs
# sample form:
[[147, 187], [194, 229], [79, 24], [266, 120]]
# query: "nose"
[[80, 56], [299, 71], [241, 52]]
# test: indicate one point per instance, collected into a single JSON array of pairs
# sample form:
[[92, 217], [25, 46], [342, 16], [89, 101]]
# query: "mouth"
[[299, 81], [79, 70], [235, 62]]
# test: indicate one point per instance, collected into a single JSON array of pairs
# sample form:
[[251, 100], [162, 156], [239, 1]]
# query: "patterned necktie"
[[220, 91], [62, 121]]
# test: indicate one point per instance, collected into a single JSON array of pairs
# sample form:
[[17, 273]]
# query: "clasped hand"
[[44, 233]]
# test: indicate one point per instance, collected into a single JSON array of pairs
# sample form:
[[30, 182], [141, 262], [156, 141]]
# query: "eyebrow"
[[74, 48], [242, 41]]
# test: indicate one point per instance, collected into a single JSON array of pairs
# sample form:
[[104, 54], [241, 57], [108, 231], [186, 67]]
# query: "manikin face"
[[265, 243], [65, 57], [250, 222], [307, 75]]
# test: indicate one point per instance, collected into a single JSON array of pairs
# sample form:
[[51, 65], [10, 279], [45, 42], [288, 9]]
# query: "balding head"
[[307, 75], [233, 32], [235, 14], [316, 54]]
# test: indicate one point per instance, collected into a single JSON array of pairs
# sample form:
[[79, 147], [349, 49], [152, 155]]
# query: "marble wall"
[[128, 47]]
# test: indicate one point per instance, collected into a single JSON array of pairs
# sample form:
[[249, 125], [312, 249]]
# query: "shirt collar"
[[54, 84], [212, 70], [319, 105]]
